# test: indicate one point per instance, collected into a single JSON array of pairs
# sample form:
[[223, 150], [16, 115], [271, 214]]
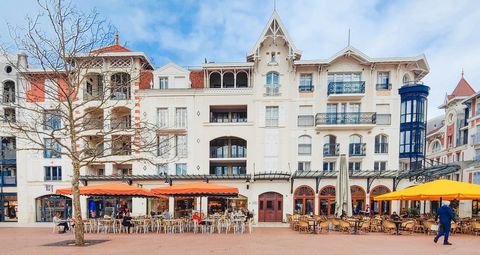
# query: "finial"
[[462, 72], [348, 36], [116, 38], [274, 5]]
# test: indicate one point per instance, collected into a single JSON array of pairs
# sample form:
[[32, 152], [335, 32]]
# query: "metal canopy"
[[272, 175], [165, 178]]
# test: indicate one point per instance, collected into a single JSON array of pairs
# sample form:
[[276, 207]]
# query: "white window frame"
[[180, 117], [272, 116], [162, 117]]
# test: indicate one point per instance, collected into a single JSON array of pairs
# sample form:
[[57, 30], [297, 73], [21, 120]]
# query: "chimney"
[[22, 60]]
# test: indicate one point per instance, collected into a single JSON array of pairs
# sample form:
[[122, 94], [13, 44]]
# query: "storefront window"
[[304, 198], [476, 208], [98, 207], [10, 207], [184, 207], [327, 201], [157, 206], [47, 206]]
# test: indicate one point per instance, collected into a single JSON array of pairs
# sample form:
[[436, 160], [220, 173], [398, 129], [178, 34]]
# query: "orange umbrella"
[[197, 189], [113, 189]]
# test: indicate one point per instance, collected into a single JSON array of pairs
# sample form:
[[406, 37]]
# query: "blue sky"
[[188, 31]]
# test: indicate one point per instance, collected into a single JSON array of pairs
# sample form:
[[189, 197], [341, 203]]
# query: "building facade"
[[274, 126]]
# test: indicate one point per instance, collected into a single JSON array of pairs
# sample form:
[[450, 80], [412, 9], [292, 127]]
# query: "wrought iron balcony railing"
[[356, 149], [331, 149], [222, 152], [305, 88], [346, 87], [351, 118]]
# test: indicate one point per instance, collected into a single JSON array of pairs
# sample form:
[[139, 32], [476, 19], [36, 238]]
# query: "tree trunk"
[[79, 231]]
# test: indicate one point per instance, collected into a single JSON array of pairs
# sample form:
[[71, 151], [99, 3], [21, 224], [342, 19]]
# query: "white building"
[[273, 126]]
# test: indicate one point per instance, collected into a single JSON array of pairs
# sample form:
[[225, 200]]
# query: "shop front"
[[221, 204], [100, 206], [184, 207], [9, 207], [157, 205], [47, 206]]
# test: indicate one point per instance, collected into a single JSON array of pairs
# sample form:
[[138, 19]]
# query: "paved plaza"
[[261, 241]]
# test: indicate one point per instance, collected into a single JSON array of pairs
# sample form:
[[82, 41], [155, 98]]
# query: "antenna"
[[274, 5], [462, 72], [348, 36]]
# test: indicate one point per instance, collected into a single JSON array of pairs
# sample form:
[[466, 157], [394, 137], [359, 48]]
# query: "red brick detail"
[[137, 111], [137, 104], [137, 118], [146, 79], [196, 77], [36, 91], [63, 89]]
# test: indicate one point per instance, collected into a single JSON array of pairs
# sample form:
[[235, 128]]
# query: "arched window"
[[330, 146], [327, 201], [406, 79], [304, 198], [379, 207], [228, 80], [120, 83], [215, 80], [381, 143], [358, 199], [272, 87], [242, 80], [436, 146], [93, 87], [304, 145], [47, 206], [8, 92], [356, 147]]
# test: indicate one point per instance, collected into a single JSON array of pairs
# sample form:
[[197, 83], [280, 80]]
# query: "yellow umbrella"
[[435, 190]]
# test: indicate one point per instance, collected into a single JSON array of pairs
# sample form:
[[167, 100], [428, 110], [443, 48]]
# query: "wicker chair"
[[475, 227], [408, 226], [303, 226], [365, 228], [389, 227], [345, 226], [324, 225]]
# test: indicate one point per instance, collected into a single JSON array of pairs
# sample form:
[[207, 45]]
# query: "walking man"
[[446, 216]]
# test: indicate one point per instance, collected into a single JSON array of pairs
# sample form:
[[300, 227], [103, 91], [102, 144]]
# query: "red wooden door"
[[270, 207]]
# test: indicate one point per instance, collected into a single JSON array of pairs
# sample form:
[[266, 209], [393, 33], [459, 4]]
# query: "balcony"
[[384, 86], [121, 118], [331, 149], [8, 181], [306, 121], [225, 152], [346, 90], [356, 149], [120, 93], [305, 88], [346, 120], [228, 114]]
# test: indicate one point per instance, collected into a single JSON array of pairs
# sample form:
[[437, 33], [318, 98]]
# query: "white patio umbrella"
[[343, 195]]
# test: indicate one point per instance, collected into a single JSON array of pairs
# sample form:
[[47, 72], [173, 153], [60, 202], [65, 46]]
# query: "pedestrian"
[[446, 215]]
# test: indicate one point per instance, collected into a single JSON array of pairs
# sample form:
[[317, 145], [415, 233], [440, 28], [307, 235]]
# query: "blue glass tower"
[[413, 123]]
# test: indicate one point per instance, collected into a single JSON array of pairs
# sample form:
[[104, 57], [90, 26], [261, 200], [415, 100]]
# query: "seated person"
[[57, 221], [395, 216]]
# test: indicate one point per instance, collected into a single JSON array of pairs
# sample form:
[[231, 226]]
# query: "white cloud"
[[448, 32]]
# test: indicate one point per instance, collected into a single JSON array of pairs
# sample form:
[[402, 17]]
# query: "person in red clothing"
[[196, 217]]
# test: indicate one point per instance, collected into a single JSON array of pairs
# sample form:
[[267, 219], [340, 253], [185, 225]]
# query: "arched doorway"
[[304, 200], [270, 207], [47, 206], [358, 198], [379, 207], [327, 201]]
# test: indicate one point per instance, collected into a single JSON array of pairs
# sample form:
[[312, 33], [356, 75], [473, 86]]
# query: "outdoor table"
[[397, 226], [312, 224]]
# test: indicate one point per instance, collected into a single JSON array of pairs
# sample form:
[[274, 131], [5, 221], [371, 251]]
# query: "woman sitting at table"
[[57, 221], [196, 217], [127, 221]]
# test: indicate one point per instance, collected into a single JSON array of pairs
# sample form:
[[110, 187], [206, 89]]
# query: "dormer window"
[[163, 84]]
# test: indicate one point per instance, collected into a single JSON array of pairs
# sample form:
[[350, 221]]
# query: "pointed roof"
[[463, 89], [112, 48], [273, 29]]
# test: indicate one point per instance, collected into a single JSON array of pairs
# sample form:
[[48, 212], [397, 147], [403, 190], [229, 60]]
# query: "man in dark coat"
[[446, 215]]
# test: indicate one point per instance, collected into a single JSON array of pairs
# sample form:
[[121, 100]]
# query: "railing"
[[121, 122], [351, 118], [221, 152], [8, 181], [306, 121], [228, 117], [305, 88], [331, 149], [233, 171], [272, 90], [8, 97], [383, 119], [121, 93], [346, 87], [381, 148], [356, 149], [384, 86]]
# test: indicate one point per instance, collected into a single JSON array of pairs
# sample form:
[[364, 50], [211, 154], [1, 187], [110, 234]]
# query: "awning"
[[113, 189], [435, 190], [196, 189]]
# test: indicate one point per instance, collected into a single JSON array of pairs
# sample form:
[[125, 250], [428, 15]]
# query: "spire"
[[274, 5], [116, 38], [348, 36]]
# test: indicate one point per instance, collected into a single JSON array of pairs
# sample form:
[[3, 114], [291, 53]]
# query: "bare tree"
[[78, 102]]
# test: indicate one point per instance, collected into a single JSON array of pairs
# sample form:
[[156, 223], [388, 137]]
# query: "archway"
[[327, 201], [379, 207], [304, 200], [358, 198], [47, 206], [270, 207]]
